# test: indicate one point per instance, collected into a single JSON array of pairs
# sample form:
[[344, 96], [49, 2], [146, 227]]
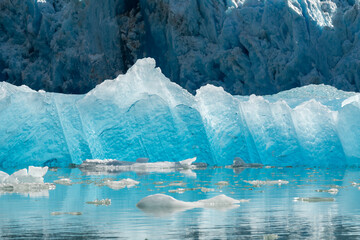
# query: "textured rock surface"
[[246, 46]]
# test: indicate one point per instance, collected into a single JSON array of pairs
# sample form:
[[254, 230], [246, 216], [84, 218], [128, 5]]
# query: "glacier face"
[[144, 114], [245, 46]]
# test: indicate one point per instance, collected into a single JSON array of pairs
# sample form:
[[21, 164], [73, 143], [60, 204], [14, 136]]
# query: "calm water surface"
[[271, 212]]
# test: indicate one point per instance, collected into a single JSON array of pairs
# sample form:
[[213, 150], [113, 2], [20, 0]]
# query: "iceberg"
[[26, 181], [142, 114]]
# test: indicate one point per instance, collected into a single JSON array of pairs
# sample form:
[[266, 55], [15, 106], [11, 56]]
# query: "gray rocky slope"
[[246, 46]]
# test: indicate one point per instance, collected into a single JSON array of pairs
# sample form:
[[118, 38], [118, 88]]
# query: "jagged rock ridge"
[[246, 46]]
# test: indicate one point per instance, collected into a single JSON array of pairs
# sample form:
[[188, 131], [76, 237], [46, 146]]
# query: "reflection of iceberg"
[[95, 166], [26, 182], [161, 204]]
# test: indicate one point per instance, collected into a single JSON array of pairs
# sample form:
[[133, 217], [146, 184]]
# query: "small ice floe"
[[26, 181], [66, 213], [161, 204], [178, 190], [313, 199], [177, 183], [270, 236], [240, 163], [205, 190], [64, 181], [222, 183], [355, 184], [116, 185], [104, 202], [182, 190], [270, 182], [331, 190], [108, 166]]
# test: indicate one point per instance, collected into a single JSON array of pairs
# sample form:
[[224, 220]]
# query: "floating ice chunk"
[[105, 202], [66, 213], [95, 166], [270, 182], [116, 185], [160, 204], [26, 182], [218, 201], [64, 181], [222, 183], [313, 199], [178, 190], [37, 171], [270, 236], [205, 190], [331, 190], [177, 183], [162, 201], [23, 176]]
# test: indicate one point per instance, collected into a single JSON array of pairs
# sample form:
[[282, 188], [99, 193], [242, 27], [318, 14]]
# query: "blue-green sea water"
[[271, 212]]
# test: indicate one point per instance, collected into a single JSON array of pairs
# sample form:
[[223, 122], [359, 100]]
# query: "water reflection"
[[271, 211]]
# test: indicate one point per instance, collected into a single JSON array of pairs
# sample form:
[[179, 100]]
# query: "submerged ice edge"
[[143, 114]]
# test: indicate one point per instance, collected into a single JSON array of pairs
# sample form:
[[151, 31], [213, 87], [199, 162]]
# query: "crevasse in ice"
[[143, 114]]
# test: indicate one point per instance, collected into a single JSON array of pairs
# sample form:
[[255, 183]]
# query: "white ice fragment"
[[331, 191], [270, 182], [313, 199], [116, 185], [26, 182], [270, 236], [37, 171], [218, 201], [66, 213], [93, 166], [178, 190], [64, 181], [161, 203], [205, 190], [352, 100], [178, 183], [222, 183], [105, 202], [355, 184]]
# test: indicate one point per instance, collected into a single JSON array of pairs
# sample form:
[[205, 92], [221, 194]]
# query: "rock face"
[[245, 46]]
